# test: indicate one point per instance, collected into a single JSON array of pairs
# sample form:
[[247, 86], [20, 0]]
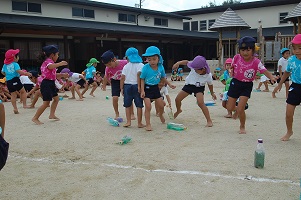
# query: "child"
[[151, 74], [174, 75], [37, 80], [48, 89], [226, 79], [263, 80], [282, 64], [195, 83], [113, 73], [293, 69], [3, 144], [77, 80], [129, 85], [98, 78], [244, 68], [89, 76], [180, 74], [12, 72], [164, 93]]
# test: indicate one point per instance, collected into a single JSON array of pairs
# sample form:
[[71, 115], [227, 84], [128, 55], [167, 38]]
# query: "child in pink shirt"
[[244, 68], [48, 90]]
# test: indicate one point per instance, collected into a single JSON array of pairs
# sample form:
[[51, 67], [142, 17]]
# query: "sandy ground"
[[78, 158]]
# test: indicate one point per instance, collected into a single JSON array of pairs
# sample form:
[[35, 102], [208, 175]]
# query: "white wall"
[[269, 16], [61, 10]]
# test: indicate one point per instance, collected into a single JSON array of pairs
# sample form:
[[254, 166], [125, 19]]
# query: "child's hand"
[[142, 95], [172, 86], [213, 96]]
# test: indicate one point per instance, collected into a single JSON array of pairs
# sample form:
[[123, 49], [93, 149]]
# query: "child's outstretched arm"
[[56, 65], [168, 83], [284, 77], [270, 76], [212, 92], [21, 72], [177, 64], [122, 83], [142, 94]]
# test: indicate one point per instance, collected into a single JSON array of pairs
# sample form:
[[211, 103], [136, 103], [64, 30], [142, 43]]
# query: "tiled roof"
[[296, 12], [229, 20]]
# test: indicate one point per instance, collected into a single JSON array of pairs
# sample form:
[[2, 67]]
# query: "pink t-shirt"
[[40, 79], [115, 73], [47, 73], [246, 71]]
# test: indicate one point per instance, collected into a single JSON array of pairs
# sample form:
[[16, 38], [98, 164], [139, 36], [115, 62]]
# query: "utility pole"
[[140, 3]]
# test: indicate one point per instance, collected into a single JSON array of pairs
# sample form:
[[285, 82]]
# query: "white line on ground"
[[211, 174]]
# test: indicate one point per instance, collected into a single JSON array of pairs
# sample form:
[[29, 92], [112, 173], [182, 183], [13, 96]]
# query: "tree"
[[230, 2]]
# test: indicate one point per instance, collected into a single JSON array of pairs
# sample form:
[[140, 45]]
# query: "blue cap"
[[51, 49], [133, 55], [34, 73], [284, 50], [151, 51], [246, 42], [107, 56]]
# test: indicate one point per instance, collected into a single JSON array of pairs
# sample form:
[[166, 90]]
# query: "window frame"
[[186, 26], [203, 25], [194, 26], [281, 18], [128, 18], [211, 22], [29, 7], [162, 22]]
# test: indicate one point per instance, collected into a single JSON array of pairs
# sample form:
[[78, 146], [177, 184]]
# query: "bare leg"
[[72, 92], [14, 102], [85, 89], [139, 117], [35, 98], [128, 117], [178, 101], [23, 96], [241, 113], [94, 84], [77, 87], [160, 104], [53, 107], [266, 87], [289, 117], [39, 112], [229, 115], [148, 108], [115, 106], [201, 104], [132, 113]]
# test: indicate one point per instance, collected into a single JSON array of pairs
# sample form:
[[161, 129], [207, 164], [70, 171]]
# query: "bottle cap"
[[260, 141]]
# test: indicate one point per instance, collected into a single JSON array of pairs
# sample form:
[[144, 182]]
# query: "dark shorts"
[[238, 88], [3, 151], [28, 87], [294, 94], [14, 84], [81, 82], [48, 89], [279, 79], [90, 81], [115, 87], [131, 93], [152, 91], [193, 89]]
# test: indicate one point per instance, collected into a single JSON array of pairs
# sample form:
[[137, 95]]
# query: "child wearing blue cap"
[[48, 89], [151, 74], [282, 64], [130, 86], [244, 68]]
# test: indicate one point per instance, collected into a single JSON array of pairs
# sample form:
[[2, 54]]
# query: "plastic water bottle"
[[175, 126], [169, 112], [126, 139], [259, 155], [112, 121], [61, 98]]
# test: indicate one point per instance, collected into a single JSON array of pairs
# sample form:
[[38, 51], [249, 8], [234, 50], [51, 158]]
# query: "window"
[[194, 26], [203, 25], [127, 18], [25, 6], [281, 18], [186, 26], [210, 22], [80, 12], [161, 22]]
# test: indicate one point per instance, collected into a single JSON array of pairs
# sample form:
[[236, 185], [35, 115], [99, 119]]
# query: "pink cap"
[[228, 61], [297, 39], [10, 56]]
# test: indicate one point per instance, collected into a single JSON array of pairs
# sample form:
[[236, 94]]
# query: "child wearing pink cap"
[[293, 70], [12, 71], [244, 67], [195, 83]]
